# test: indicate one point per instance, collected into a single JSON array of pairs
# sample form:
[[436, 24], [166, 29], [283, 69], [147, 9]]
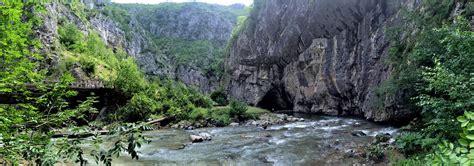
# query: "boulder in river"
[[200, 137], [358, 134], [206, 136], [234, 124], [196, 138]]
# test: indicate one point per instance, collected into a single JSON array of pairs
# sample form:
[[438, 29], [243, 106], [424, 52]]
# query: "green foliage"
[[71, 37], [126, 138], [238, 110], [469, 11], [120, 71], [410, 143], [88, 65], [242, 22], [202, 54], [254, 112], [402, 57], [198, 114], [448, 88], [410, 162], [121, 16], [27, 127], [443, 58], [130, 79], [16, 39], [78, 8], [460, 152], [220, 116], [140, 107], [220, 97], [376, 152]]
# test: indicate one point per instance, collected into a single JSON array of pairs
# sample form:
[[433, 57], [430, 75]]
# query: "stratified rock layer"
[[316, 56]]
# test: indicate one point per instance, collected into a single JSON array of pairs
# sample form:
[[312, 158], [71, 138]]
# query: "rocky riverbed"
[[264, 120], [313, 140]]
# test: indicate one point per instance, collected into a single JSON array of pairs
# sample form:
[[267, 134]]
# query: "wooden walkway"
[[82, 87]]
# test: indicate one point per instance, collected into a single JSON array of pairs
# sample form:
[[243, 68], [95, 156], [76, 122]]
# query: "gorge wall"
[[316, 56], [147, 33]]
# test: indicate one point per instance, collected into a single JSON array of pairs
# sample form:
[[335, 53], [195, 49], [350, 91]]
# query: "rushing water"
[[317, 141]]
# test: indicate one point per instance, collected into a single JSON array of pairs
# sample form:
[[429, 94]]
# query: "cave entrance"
[[276, 99]]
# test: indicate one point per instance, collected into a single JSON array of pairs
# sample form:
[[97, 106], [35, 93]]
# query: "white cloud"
[[221, 2]]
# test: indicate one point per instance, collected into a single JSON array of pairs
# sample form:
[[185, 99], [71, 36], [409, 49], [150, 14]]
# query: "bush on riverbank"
[[224, 115], [444, 92], [220, 97]]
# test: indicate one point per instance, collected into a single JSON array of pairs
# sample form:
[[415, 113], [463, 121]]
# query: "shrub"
[[220, 97], [139, 108], [198, 99], [444, 88], [198, 113], [460, 152], [410, 143], [87, 65], [129, 79], [410, 162], [447, 82], [220, 116], [71, 37], [238, 110], [376, 152], [176, 112]]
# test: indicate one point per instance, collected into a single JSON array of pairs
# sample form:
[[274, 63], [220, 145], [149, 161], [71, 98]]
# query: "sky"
[[221, 2]]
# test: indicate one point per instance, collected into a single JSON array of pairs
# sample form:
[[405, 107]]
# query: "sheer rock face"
[[191, 21], [316, 56]]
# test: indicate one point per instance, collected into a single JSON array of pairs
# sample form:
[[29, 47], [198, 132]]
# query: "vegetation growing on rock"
[[434, 65]]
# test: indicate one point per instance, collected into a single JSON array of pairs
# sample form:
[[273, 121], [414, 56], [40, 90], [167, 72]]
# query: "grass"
[[250, 110], [256, 110]]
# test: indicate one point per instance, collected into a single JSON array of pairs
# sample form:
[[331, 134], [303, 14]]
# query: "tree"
[[27, 127]]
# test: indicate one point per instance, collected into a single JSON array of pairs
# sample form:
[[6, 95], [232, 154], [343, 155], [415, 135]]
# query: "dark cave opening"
[[276, 99]]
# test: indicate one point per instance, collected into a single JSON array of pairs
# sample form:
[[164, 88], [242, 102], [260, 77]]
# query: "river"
[[319, 140]]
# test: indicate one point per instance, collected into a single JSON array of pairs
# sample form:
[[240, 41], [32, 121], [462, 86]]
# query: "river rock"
[[234, 124], [205, 136], [196, 138], [358, 134], [200, 137], [281, 116], [254, 123], [357, 124], [292, 119], [349, 153]]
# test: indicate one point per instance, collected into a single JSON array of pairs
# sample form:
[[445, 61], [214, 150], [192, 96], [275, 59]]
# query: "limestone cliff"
[[318, 56]]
